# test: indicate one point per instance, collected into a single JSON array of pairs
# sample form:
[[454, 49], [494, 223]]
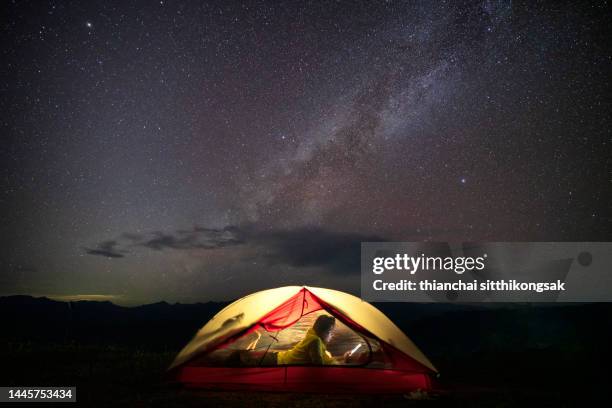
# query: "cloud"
[[315, 247], [301, 247], [198, 238], [107, 249]]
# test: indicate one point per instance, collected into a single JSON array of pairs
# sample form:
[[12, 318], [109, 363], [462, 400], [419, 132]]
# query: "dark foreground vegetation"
[[513, 355]]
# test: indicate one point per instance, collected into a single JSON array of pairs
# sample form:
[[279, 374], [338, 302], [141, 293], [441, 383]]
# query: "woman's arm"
[[315, 352]]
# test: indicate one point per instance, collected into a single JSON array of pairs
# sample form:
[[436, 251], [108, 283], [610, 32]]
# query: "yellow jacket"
[[311, 350]]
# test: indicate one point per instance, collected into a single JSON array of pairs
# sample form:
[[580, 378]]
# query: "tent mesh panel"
[[259, 343]]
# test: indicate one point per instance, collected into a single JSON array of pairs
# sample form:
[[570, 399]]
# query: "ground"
[[131, 377]]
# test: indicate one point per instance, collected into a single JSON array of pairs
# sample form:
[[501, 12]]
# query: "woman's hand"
[[347, 357]]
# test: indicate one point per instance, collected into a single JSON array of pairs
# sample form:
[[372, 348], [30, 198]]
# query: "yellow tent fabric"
[[248, 310]]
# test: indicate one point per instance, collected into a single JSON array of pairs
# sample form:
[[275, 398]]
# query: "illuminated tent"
[[276, 319]]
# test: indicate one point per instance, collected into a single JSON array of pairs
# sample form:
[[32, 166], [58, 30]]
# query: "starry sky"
[[200, 150]]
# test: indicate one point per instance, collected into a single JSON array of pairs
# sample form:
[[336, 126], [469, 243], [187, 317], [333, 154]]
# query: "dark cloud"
[[198, 238], [315, 247], [303, 247], [107, 249]]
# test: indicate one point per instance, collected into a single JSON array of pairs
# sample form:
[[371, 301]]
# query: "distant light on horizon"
[[76, 298]]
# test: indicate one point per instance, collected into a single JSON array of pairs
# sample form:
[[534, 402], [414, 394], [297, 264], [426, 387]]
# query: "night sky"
[[192, 151]]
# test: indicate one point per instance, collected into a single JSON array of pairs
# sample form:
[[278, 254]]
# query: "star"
[[368, 122]]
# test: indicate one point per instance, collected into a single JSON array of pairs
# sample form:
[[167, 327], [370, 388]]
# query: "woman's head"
[[323, 326]]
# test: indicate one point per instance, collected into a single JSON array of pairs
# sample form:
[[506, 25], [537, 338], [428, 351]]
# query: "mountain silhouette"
[[439, 328]]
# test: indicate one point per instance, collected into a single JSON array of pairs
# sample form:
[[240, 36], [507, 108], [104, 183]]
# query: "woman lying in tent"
[[311, 350]]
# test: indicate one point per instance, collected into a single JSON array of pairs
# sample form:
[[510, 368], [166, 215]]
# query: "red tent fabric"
[[403, 374]]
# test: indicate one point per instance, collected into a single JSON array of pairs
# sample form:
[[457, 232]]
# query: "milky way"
[[201, 150]]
